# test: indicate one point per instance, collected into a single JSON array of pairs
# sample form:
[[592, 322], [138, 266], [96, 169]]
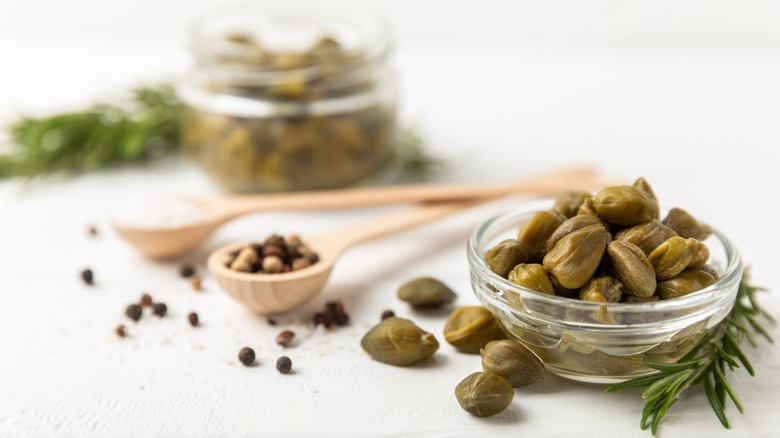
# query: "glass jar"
[[289, 100], [600, 342]]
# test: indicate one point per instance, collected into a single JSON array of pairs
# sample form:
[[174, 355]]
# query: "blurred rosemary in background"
[[143, 127], [107, 134]]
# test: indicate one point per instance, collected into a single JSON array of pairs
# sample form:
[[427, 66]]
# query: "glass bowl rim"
[[477, 263]]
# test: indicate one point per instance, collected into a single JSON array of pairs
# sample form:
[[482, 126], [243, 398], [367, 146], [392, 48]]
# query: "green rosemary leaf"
[[662, 386], [720, 392], [724, 384], [646, 412], [634, 383], [672, 367], [660, 413], [726, 356], [715, 402], [760, 330], [736, 351]]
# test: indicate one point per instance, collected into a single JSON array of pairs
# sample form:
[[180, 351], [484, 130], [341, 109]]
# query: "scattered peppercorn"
[[272, 321], [186, 271], [134, 312], [92, 231], [121, 331], [246, 356], [146, 300], [284, 364], [334, 314], [88, 276], [159, 309], [387, 314], [195, 282], [193, 318], [285, 338]]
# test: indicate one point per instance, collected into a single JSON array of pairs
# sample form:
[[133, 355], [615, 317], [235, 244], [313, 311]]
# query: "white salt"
[[157, 213]]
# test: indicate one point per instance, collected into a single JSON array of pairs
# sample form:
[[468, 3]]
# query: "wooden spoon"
[[279, 293], [161, 242]]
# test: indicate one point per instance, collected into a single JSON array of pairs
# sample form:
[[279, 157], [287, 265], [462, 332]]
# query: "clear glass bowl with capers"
[[283, 99], [600, 342]]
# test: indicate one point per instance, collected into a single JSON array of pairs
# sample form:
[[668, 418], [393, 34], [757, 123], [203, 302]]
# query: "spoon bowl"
[[269, 294], [167, 243]]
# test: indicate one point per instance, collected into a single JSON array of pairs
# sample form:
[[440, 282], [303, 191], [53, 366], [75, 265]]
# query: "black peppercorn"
[[186, 271], [284, 364], [88, 276], [92, 231], [246, 356], [387, 314], [160, 309], [193, 318], [285, 338], [146, 300], [134, 312], [121, 331], [272, 321]]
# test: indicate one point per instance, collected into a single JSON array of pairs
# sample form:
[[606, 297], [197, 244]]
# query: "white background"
[[684, 93]]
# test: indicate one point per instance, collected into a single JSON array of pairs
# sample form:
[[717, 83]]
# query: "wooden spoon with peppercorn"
[[267, 293], [191, 221]]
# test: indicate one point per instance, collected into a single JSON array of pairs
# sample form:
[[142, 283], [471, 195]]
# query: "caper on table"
[[398, 341], [483, 394]]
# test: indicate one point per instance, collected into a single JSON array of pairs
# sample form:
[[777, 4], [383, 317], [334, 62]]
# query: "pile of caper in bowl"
[[597, 283]]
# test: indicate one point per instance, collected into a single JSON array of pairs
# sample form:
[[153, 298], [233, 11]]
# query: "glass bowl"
[[600, 342]]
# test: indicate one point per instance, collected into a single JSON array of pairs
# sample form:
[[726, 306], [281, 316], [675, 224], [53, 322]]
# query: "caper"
[[632, 267], [505, 256], [398, 341], [587, 208], [534, 234], [642, 184], [569, 201], [647, 235], [569, 226], [677, 254], [512, 361], [604, 289], [625, 205], [686, 225], [469, 328], [684, 283], [576, 256], [561, 291], [484, 394], [532, 276], [426, 292]]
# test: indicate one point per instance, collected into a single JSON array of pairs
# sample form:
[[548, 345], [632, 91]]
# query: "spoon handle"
[[410, 217], [542, 184]]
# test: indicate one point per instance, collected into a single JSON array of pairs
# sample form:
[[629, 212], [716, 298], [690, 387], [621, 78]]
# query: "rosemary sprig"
[[707, 364], [415, 162], [145, 126]]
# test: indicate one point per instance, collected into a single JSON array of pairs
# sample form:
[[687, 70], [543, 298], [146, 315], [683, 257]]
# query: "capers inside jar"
[[614, 249], [315, 110]]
